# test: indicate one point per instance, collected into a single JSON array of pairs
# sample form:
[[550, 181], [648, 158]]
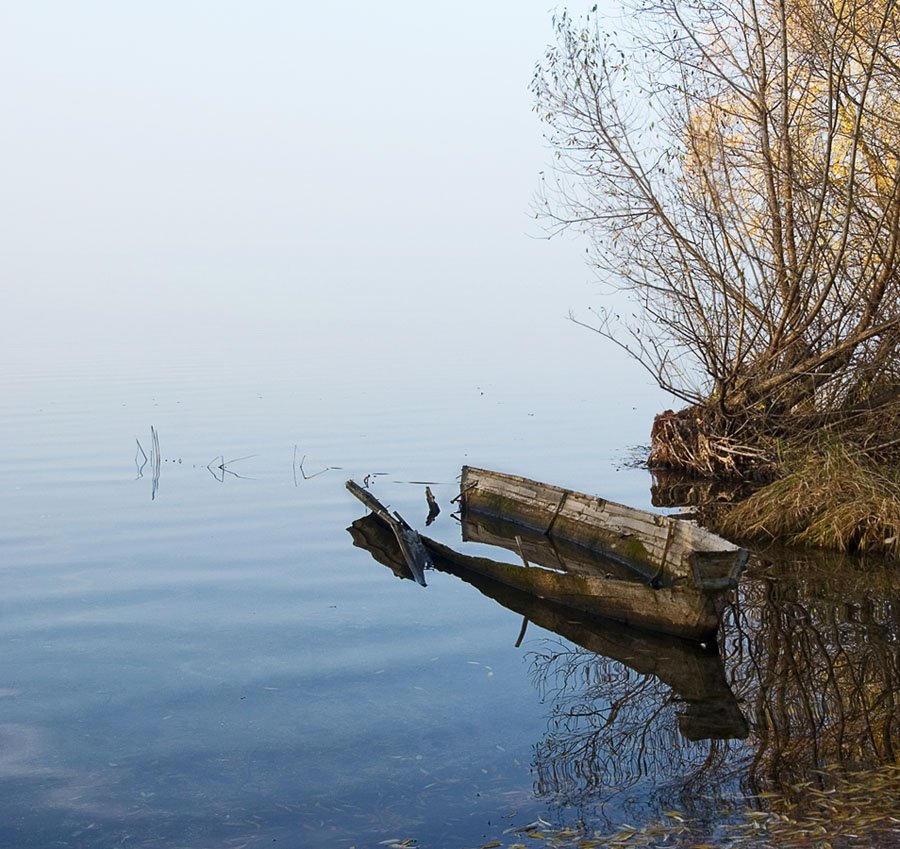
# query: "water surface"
[[200, 656]]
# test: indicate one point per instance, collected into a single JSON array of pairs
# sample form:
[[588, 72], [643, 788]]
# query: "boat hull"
[[680, 611], [663, 549]]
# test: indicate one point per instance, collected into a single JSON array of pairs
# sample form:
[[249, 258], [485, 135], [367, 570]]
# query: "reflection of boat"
[[634, 567], [694, 673], [599, 557]]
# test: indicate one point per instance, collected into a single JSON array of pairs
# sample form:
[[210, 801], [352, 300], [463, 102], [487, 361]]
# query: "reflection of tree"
[[818, 660], [811, 648], [812, 651], [611, 727]]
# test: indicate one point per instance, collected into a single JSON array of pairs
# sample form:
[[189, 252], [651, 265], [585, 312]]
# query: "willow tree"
[[736, 167]]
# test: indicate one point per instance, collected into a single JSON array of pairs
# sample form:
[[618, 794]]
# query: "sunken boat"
[[667, 550], [586, 553]]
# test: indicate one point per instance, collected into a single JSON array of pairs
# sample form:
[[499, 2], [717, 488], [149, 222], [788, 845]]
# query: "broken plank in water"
[[414, 552]]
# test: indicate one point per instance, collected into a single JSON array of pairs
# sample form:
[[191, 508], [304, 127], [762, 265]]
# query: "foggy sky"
[[279, 176]]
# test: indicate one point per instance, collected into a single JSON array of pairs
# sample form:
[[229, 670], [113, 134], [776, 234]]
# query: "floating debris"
[[434, 508]]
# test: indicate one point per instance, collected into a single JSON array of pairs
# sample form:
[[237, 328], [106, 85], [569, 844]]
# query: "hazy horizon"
[[318, 181]]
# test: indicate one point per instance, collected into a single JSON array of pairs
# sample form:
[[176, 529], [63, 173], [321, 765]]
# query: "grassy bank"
[[828, 494]]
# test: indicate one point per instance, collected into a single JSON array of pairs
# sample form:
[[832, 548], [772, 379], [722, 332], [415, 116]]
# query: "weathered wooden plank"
[[415, 553], [668, 566]]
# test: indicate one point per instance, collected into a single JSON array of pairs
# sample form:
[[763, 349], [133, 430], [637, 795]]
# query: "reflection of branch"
[[155, 464], [611, 728], [222, 467], [303, 473], [811, 650], [140, 466], [815, 654], [218, 467], [153, 459], [522, 631], [433, 507]]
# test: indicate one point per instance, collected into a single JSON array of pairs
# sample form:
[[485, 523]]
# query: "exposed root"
[[695, 442]]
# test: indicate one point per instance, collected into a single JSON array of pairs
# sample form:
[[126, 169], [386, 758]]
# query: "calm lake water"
[[292, 244], [201, 657], [204, 659]]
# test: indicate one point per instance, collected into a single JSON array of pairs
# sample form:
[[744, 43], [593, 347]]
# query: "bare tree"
[[736, 166]]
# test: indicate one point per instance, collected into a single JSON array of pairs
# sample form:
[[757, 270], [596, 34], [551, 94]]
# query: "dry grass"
[[830, 495]]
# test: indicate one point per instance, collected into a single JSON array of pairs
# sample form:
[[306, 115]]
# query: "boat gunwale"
[[689, 552]]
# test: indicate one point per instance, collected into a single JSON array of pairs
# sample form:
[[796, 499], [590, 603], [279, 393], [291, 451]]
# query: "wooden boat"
[[665, 550], [586, 553]]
